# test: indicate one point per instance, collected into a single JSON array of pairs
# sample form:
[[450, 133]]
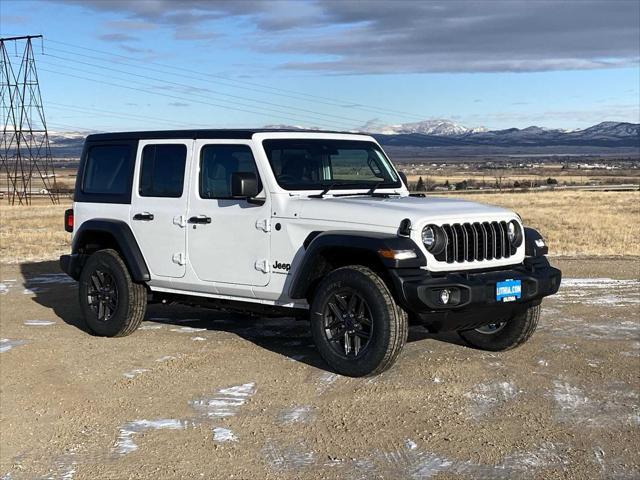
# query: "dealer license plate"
[[508, 291]]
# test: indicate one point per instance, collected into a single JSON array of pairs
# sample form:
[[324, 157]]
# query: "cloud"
[[118, 37], [356, 37], [179, 104], [15, 19], [129, 25]]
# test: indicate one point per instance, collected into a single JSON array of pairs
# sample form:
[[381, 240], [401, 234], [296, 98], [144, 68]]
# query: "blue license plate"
[[508, 291]]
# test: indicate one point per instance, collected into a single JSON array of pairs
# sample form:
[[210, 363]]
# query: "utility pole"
[[25, 153]]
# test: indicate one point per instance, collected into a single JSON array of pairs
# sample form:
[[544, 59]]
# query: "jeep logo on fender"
[[282, 266]]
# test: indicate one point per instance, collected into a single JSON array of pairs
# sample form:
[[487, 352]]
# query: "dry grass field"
[[574, 223], [33, 233]]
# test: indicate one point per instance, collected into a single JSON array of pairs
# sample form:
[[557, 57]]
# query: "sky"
[[122, 64]]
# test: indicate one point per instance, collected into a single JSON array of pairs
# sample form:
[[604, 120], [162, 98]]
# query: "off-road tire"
[[390, 323], [132, 297], [517, 331]]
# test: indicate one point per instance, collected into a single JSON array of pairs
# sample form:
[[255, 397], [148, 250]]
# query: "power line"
[[109, 113], [213, 94], [165, 95], [273, 90]]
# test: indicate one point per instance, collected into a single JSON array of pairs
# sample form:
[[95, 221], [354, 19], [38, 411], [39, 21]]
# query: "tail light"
[[68, 220]]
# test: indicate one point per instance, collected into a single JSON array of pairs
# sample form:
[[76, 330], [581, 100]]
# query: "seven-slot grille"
[[475, 242]]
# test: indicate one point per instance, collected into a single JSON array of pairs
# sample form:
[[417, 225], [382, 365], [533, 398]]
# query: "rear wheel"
[[504, 335], [111, 303], [356, 325]]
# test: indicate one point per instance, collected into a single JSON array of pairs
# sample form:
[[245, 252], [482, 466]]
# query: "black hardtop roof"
[[244, 134]]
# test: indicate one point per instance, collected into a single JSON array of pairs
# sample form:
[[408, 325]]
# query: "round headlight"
[[428, 237], [514, 232], [434, 239]]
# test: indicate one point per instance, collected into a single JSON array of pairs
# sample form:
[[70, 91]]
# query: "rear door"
[[159, 204], [228, 239]]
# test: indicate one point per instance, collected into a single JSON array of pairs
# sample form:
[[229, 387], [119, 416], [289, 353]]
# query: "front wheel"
[[112, 304], [505, 335], [356, 325]]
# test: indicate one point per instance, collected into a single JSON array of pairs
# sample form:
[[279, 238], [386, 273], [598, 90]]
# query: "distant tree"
[[446, 184], [463, 185], [516, 184], [552, 181], [420, 185]]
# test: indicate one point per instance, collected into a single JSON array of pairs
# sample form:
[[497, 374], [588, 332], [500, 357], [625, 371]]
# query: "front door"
[[159, 204], [227, 238]]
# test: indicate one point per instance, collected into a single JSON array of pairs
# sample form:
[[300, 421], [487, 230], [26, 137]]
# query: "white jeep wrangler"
[[311, 225]]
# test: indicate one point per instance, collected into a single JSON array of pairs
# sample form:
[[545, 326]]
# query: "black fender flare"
[[370, 242], [531, 249], [127, 244]]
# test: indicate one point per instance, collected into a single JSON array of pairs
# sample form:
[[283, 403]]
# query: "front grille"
[[469, 242]]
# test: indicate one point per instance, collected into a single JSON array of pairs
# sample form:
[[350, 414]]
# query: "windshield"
[[306, 164]]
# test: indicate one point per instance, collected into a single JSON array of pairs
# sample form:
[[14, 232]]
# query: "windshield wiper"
[[324, 192], [371, 192], [333, 185]]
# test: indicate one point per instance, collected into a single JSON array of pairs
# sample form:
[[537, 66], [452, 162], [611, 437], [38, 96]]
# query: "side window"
[[107, 170], [218, 163], [162, 170]]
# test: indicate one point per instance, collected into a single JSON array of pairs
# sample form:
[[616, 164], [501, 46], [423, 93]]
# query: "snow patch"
[[296, 414], [569, 398], [150, 327], [326, 380], [38, 323], [291, 458], [125, 444], [599, 291], [188, 329], [489, 396], [198, 339], [165, 358], [49, 278], [222, 435], [135, 372], [226, 401], [7, 344]]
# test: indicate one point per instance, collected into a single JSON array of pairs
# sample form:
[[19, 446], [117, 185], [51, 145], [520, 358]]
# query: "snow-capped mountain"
[[443, 134], [438, 127]]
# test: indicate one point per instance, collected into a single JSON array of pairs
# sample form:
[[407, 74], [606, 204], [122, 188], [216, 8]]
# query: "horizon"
[[293, 127], [140, 65]]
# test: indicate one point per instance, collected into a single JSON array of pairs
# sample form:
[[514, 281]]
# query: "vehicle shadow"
[[288, 337]]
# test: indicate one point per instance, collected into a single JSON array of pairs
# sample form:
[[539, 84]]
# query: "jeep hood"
[[389, 212]]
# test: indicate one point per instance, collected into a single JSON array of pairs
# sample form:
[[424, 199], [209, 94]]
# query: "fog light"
[[445, 295]]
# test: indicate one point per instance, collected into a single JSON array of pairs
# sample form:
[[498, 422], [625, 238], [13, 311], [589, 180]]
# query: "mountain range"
[[604, 134], [444, 134]]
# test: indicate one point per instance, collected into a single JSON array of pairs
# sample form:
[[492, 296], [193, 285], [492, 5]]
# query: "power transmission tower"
[[25, 154]]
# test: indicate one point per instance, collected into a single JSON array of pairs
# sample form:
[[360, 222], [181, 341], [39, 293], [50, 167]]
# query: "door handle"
[[146, 216], [200, 219]]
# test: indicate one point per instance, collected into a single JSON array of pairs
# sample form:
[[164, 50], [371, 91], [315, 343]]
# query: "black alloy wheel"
[[102, 295], [348, 324], [113, 305]]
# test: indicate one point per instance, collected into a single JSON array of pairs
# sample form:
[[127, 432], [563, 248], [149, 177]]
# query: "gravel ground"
[[201, 394]]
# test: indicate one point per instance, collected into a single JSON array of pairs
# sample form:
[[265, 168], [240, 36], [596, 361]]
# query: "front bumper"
[[473, 300]]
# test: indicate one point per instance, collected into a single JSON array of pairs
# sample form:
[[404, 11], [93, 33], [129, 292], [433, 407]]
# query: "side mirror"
[[403, 177], [244, 185]]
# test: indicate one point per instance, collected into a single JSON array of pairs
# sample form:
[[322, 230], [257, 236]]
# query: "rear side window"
[[162, 170], [107, 170], [218, 163]]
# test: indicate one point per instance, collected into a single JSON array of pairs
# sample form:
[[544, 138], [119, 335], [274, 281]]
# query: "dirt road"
[[200, 394]]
